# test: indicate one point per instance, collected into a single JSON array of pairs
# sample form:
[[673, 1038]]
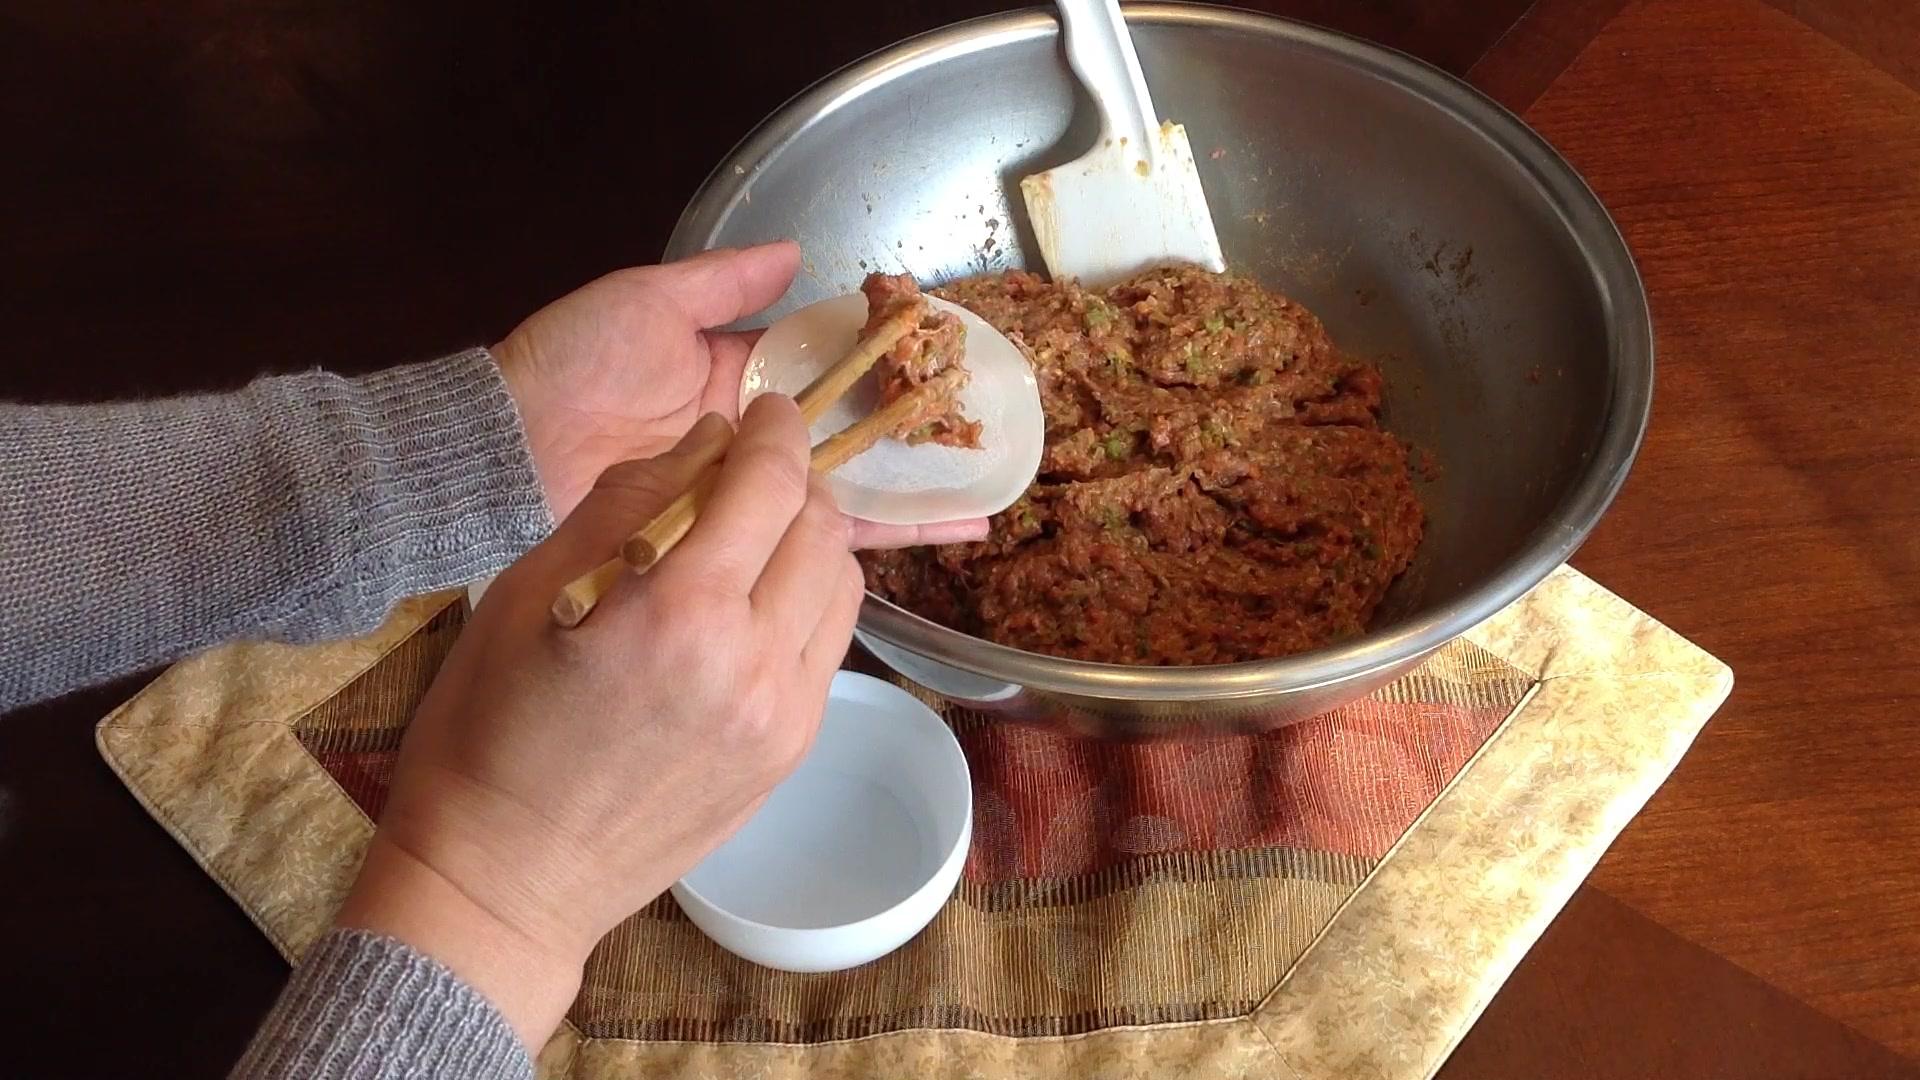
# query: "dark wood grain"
[[1886, 32], [1520, 67], [1769, 184], [1672, 1009]]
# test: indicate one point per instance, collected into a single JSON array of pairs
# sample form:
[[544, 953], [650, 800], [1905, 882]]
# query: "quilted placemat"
[[1337, 898]]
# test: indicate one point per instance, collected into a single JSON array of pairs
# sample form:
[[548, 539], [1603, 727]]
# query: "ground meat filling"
[[1216, 485], [935, 347]]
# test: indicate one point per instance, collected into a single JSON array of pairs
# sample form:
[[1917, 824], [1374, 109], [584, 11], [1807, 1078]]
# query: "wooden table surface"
[[194, 193]]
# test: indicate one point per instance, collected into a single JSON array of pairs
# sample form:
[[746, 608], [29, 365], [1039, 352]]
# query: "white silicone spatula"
[[1134, 201]]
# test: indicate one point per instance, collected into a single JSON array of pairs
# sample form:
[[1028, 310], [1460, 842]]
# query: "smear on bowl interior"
[[1216, 484]]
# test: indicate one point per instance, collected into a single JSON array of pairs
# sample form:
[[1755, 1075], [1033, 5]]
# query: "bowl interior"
[[868, 819], [1479, 274]]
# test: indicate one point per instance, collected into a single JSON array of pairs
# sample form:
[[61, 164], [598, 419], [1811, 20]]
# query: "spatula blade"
[[1122, 209]]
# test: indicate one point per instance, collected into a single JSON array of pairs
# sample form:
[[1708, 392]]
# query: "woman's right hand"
[[555, 781]]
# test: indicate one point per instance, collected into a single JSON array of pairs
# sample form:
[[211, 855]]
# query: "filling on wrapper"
[[1216, 485], [937, 346]]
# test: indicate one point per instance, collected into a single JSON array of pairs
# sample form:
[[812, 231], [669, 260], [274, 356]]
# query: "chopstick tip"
[[640, 553], [568, 611]]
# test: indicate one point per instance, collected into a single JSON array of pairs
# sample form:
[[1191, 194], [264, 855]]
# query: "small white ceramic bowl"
[[853, 854]]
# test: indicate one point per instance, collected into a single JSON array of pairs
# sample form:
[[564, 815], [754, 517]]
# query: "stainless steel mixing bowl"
[[1429, 228]]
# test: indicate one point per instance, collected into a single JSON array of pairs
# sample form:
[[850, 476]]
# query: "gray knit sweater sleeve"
[[297, 509], [366, 1007]]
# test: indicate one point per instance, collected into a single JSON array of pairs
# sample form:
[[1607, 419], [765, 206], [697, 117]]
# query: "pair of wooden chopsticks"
[[657, 537]]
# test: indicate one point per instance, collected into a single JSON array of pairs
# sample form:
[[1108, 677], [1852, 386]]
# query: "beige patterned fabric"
[[1337, 899]]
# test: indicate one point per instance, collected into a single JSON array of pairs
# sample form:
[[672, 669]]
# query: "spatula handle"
[[1100, 50]]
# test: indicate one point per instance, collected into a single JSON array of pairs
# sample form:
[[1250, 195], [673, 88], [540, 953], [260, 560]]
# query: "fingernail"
[[704, 432], [965, 531], [774, 401]]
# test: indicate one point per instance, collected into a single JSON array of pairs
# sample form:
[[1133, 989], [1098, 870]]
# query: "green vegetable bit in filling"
[[1195, 364]]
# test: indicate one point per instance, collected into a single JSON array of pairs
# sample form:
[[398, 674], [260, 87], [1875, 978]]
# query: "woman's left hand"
[[620, 368]]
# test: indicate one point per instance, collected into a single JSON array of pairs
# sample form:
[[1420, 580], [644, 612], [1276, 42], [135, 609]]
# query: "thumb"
[[716, 287]]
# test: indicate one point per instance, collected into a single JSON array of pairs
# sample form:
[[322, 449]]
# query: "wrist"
[[530, 975], [542, 445]]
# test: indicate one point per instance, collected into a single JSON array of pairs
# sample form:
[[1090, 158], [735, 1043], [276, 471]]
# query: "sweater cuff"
[[366, 1006], [454, 493], [440, 480]]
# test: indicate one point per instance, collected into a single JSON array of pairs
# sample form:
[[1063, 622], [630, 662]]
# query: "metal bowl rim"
[[1622, 295]]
